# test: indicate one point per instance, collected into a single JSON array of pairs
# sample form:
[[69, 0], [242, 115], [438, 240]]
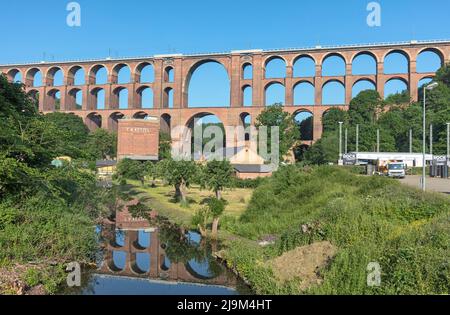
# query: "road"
[[433, 184]]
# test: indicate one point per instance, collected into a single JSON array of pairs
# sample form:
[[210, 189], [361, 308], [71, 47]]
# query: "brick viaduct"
[[183, 66]]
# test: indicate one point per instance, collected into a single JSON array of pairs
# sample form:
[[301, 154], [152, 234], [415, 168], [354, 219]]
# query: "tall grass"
[[369, 219]]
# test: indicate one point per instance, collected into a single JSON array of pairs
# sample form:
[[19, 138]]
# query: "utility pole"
[[431, 139], [378, 140], [340, 141], [346, 140], [448, 140]]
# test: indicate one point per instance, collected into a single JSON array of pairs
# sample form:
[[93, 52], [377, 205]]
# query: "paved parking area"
[[433, 184]]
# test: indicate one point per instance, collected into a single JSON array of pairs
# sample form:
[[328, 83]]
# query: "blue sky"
[[141, 28]]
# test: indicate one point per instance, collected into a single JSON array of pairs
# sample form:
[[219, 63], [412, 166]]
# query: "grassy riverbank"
[[366, 219]]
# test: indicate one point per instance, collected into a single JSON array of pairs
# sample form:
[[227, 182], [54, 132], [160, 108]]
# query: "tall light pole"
[[448, 140], [340, 141], [425, 88], [346, 141], [431, 139], [378, 140], [410, 141]]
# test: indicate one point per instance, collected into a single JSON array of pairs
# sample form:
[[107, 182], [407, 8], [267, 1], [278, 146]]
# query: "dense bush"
[[368, 218]]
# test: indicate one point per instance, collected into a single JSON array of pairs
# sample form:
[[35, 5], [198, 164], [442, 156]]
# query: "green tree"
[[165, 145], [179, 174], [130, 169], [289, 133], [218, 175], [216, 208], [102, 144]]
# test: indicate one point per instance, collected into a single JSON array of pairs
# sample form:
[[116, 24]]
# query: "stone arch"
[[169, 74], [396, 53], [12, 75], [245, 121], [247, 95], [52, 78], [247, 71], [298, 67], [272, 70], [389, 85], [94, 74], [97, 98], [340, 62], [333, 92], [307, 89], [121, 74], [30, 77], [274, 92], [149, 72], [74, 101], [93, 121], [53, 100], [73, 75], [190, 99], [305, 122], [145, 96], [168, 98], [423, 67], [140, 115], [119, 99], [363, 84], [34, 95], [166, 123], [113, 120], [357, 58]]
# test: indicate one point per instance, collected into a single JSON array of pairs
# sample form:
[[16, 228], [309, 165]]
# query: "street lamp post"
[[448, 140], [425, 88], [346, 141], [378, 140], [357, 138]]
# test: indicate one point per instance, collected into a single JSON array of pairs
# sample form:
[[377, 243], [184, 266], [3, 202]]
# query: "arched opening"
[[140, 115], [429, 60], [34, 95], [121, 74], [422, 83], [304, 94], [275, 67], [169, 75], [247, 71], [396, 62], [120, 98], [93, 121], [34, 76], [364, 64], [76, 76], [75, 99], [14, 76], [165, 123], [304, 67], [247, 96], [300, 151], [333, 93], [114, 121], [55, 77], [274, 94], [98, 75], [246, 122], [208, 85], [305, 122], [141, 264], [362, 85], [333, 66], [207, 135], [168, 98], [395, 86], [145, 95], [98, 98], [53, 102], [145, 73]]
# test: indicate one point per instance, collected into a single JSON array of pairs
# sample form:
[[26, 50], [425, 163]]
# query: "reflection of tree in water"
[[180, 249]]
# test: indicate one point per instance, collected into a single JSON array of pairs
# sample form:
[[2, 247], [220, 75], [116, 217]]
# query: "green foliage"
[[218, 175], [367, 218], [130, 169], [102, 144], [289, 133], [165, 145]]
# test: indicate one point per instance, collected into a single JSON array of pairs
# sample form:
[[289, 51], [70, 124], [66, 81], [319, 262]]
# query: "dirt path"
[[432, 184]]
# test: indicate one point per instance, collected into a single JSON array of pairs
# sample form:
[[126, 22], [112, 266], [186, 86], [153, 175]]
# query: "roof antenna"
[[109, 54], [43, 57]]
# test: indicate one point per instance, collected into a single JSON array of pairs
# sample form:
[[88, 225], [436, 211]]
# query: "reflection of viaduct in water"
[[158, 269], [169, 88]]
